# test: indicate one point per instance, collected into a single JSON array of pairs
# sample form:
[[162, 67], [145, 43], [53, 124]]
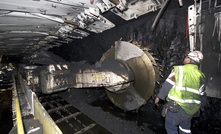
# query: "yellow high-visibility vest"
[[186, 91]]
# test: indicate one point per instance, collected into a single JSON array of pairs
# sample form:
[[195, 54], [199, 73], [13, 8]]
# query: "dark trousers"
[[179, 121]]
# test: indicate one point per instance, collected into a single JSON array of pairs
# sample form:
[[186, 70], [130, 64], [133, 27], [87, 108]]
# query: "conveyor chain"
[[68, 118]]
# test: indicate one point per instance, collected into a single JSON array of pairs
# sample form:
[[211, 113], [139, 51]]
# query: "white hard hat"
[[196, 56]]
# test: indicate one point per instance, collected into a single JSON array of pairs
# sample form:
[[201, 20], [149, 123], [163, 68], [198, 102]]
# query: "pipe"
[[160, 13]]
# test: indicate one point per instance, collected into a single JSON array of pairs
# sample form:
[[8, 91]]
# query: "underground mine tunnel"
[[57, 62]]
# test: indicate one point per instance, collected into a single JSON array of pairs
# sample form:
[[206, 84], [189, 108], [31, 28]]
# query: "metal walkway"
[[68, 118], [54, 113]]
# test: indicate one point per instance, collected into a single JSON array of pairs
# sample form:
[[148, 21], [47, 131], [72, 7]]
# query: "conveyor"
[[47, 113]]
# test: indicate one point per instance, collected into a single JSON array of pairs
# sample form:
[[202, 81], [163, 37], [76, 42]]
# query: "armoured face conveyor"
[[128, 73]]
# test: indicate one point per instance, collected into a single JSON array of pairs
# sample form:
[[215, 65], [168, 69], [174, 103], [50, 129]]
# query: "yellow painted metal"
[[20, 128], [49, 126], [19, 122]]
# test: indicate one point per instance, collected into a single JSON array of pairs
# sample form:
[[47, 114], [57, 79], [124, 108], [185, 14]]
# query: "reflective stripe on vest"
[[180, 82], [186, 89], [183, 101]]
